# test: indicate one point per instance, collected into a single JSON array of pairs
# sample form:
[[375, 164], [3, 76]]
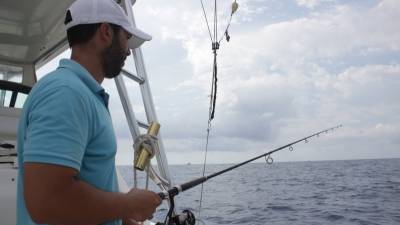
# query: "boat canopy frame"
[[30, 37]]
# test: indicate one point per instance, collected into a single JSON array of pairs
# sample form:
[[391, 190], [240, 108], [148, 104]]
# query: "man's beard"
[[113, 59]]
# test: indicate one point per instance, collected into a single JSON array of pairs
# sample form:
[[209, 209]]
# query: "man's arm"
[[54, 195]]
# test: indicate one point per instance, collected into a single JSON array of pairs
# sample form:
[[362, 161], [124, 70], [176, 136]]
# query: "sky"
[[291, 68]]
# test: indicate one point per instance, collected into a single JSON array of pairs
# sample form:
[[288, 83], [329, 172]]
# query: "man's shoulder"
[[58, 86], [59, 79]]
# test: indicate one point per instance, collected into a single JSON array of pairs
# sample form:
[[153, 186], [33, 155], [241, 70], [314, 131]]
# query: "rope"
[[134, 176], [205, 16], [214, 87], [226, 29], [211, 111], [147, 176], [150, 142], [215, 21], [213, 97]]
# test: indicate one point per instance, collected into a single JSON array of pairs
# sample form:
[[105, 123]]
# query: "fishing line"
[[213, 96], [204, 166]]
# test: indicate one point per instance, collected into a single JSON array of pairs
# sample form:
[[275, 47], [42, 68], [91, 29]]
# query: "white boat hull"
[[8, 193]]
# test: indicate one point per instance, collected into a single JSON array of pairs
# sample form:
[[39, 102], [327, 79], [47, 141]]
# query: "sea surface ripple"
[[359, 192]]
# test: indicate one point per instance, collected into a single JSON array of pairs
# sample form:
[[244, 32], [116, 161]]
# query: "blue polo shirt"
[[65, 121]]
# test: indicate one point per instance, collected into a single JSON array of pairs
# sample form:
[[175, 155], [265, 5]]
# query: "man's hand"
[[141, 204]]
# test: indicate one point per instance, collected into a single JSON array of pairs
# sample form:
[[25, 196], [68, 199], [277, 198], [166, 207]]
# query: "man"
[[66, 143]]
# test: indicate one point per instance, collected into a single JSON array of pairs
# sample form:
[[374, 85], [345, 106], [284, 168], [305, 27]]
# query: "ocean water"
[[359, 192]]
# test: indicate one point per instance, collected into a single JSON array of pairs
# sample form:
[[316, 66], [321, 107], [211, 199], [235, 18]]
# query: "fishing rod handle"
[[168, 194], [180, 188]]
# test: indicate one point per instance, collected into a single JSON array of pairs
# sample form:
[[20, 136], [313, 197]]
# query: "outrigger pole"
[[188, 185]]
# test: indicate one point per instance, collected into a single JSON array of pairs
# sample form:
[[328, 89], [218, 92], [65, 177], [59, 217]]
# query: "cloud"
[[312, 3], [279, 80]]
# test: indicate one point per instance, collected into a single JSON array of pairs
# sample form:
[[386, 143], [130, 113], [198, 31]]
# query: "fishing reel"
[[144, 150], [185, 218]]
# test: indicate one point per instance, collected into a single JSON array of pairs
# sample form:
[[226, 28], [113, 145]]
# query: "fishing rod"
[[171, 193]]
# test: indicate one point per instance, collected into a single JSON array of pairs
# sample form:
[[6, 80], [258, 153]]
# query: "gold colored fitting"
[[144, 154]]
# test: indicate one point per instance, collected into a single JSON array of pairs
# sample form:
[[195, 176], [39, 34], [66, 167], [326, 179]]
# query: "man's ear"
[[105, 33]]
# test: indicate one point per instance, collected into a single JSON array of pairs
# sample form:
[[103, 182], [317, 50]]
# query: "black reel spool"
[[185, 218]]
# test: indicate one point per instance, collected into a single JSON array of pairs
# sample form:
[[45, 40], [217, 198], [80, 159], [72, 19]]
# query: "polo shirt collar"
[[86, 77]]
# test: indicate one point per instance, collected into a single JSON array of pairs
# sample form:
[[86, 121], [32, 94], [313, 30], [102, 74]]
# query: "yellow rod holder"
[[144, 154]]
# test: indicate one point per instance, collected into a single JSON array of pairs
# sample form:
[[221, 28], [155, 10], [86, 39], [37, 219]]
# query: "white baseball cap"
[[105, 11]]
